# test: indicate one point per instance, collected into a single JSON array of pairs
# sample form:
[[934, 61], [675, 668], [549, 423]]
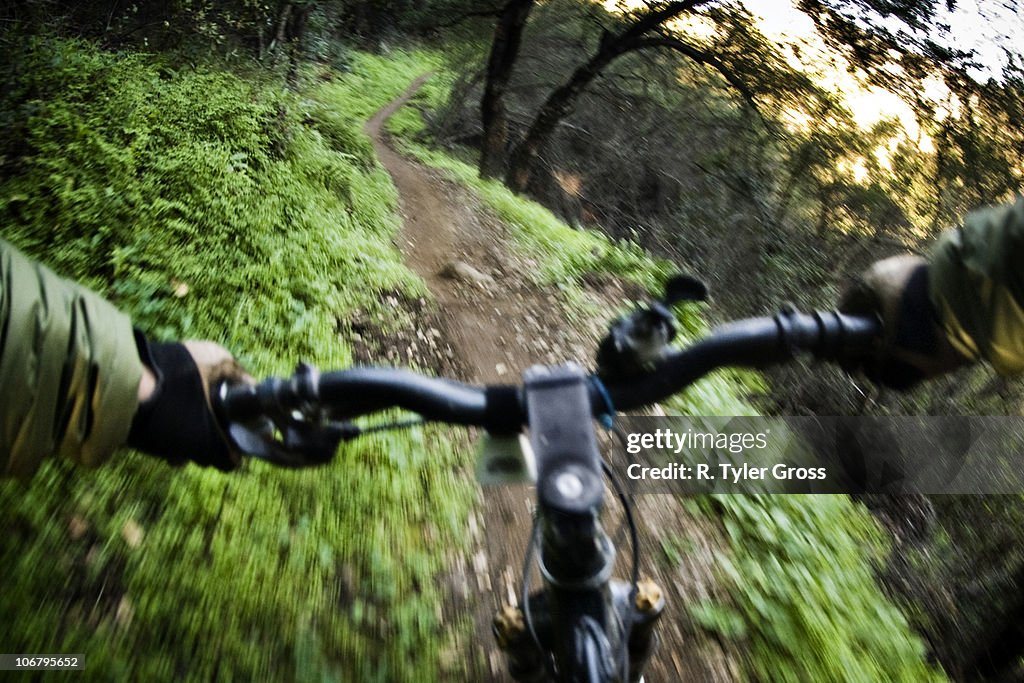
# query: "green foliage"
[[805, 598], [674, 548], [211, 207], [721, 619], [369, 77]]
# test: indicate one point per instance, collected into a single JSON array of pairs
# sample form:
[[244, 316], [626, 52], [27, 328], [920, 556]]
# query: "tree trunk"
[[282, 25], [561, 102], [508, 34], [558, 105], [296, 33]]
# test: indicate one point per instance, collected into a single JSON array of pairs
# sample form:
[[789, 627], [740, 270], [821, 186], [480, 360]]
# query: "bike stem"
[[570, 490]]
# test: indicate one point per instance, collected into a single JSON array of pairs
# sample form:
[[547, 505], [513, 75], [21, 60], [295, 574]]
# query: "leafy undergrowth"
[[208, 206], [805, 600], [805, 603]]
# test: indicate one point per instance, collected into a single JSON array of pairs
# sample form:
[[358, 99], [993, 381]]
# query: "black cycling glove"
[[912, 346], [911, 327], [176, 423]]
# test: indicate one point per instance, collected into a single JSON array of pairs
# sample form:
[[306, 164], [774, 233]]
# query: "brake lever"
[[299, 437], [294, 444]]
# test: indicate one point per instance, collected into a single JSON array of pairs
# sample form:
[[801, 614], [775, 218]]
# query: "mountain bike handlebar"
[[583, 625], [347, 394]]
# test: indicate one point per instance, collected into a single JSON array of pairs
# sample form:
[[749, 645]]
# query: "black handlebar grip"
[[235, 402], [843, 336]]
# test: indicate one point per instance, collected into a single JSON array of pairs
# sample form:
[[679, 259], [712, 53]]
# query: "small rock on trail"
[[462, 271]]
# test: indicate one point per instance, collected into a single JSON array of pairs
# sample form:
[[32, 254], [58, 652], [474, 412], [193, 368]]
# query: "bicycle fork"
[[527, 658]]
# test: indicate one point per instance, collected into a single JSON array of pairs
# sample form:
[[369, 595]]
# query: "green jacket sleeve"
[[977, 286], [69, 369]]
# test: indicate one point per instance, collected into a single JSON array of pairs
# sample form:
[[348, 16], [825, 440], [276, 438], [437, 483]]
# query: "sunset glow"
[[794, 32]]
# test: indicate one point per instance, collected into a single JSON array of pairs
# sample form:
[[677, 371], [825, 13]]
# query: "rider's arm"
[[69, 369], [77, 381], [977, 275], [962, 304]]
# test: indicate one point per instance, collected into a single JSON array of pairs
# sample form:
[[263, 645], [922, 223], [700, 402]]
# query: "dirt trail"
[[497, 325]]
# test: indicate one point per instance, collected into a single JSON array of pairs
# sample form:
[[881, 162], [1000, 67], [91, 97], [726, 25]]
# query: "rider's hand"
[[175, 420], [913, 346]]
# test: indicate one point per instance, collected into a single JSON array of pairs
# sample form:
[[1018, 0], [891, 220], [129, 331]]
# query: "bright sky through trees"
[[988, 27]]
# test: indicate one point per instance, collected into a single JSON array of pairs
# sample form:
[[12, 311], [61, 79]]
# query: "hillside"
[[214, 203]]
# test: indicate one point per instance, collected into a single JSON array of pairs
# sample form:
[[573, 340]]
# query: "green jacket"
[[977, 286], [69, 369]]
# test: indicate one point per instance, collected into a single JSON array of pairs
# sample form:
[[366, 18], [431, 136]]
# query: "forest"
[[217, 171]]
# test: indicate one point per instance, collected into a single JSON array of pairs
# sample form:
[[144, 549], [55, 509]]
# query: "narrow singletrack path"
[[498, 322]]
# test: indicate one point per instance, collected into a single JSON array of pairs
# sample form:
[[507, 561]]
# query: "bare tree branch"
[[651, 20], [560, 102], [701, 57]]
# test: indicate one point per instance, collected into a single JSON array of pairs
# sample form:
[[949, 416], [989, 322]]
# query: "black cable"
[[524, 597], [628, 511], [398, 424], [627, 508]]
